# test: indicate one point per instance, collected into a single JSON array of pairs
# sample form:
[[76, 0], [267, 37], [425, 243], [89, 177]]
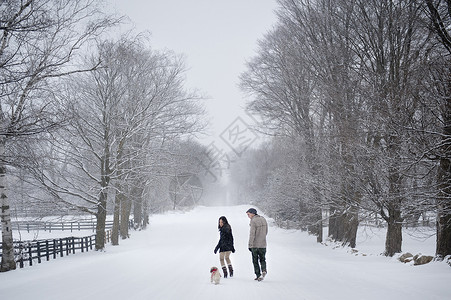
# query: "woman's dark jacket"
[[225, 240]]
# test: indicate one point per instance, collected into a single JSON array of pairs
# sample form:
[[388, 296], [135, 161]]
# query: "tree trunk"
[[352, 203], [119, 196], [138, 207], [126, 205], [101, 218], [393, 241], [116, 217], [137, 212], [334, 229], [351, 224], [8, 263], [319, 237], [105, 173], [346, 216], [101, 206], [343, 226], [315, 211], [145, 213], [444, 231], [443, 247]]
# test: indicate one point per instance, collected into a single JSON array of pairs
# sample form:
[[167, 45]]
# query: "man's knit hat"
[[252, 211]]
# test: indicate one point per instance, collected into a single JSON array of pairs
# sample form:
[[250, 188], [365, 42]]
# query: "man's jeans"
[[258, 256]]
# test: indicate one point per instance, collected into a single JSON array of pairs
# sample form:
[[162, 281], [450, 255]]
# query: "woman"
[[225, 245]]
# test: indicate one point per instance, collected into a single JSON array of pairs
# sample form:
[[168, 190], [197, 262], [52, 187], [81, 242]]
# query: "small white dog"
[[215, 275]]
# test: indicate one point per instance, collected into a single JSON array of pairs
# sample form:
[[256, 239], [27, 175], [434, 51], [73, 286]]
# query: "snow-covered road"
[[172, 259]]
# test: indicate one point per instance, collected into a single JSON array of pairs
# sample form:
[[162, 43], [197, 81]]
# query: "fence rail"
[[58, 226]]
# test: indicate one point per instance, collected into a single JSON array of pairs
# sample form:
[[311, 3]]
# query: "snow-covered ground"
[[172, 259]]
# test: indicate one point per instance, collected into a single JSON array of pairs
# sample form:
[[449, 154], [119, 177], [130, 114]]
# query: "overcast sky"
[[216, 37]]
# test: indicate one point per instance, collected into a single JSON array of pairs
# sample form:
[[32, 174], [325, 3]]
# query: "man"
[[257, 242]]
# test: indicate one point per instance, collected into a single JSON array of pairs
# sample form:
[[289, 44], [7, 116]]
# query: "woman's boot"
[[224, 269], [231, 270]]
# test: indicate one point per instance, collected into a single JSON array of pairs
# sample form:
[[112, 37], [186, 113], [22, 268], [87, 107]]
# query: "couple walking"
[[257, 244]]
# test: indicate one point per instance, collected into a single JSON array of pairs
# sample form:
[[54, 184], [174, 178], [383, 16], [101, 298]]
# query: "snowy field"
[[172, 259]]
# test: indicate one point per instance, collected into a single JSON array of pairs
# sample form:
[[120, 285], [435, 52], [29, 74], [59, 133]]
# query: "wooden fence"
[[58, 226], [28, 252]]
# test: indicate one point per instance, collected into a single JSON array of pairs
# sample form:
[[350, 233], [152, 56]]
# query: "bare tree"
[[390, 41], [326, 27], [133, 100], [39, 42], [283, 87], [344, 77], [439, 13]]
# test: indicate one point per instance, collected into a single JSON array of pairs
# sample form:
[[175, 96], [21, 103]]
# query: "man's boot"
[[224, 269], [231, 270]]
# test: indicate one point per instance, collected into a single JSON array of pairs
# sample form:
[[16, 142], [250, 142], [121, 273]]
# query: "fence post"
[[73, 245], [54, 249], [47, 250], [30, 255], [82, 244], [38, 246], [61, 248]]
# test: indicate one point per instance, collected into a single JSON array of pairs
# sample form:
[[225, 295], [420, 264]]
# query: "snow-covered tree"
[[40, 39], [439, 15], [346, 78], [283, 89]]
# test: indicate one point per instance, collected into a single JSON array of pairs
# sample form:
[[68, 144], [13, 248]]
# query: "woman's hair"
[[224, 221]]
